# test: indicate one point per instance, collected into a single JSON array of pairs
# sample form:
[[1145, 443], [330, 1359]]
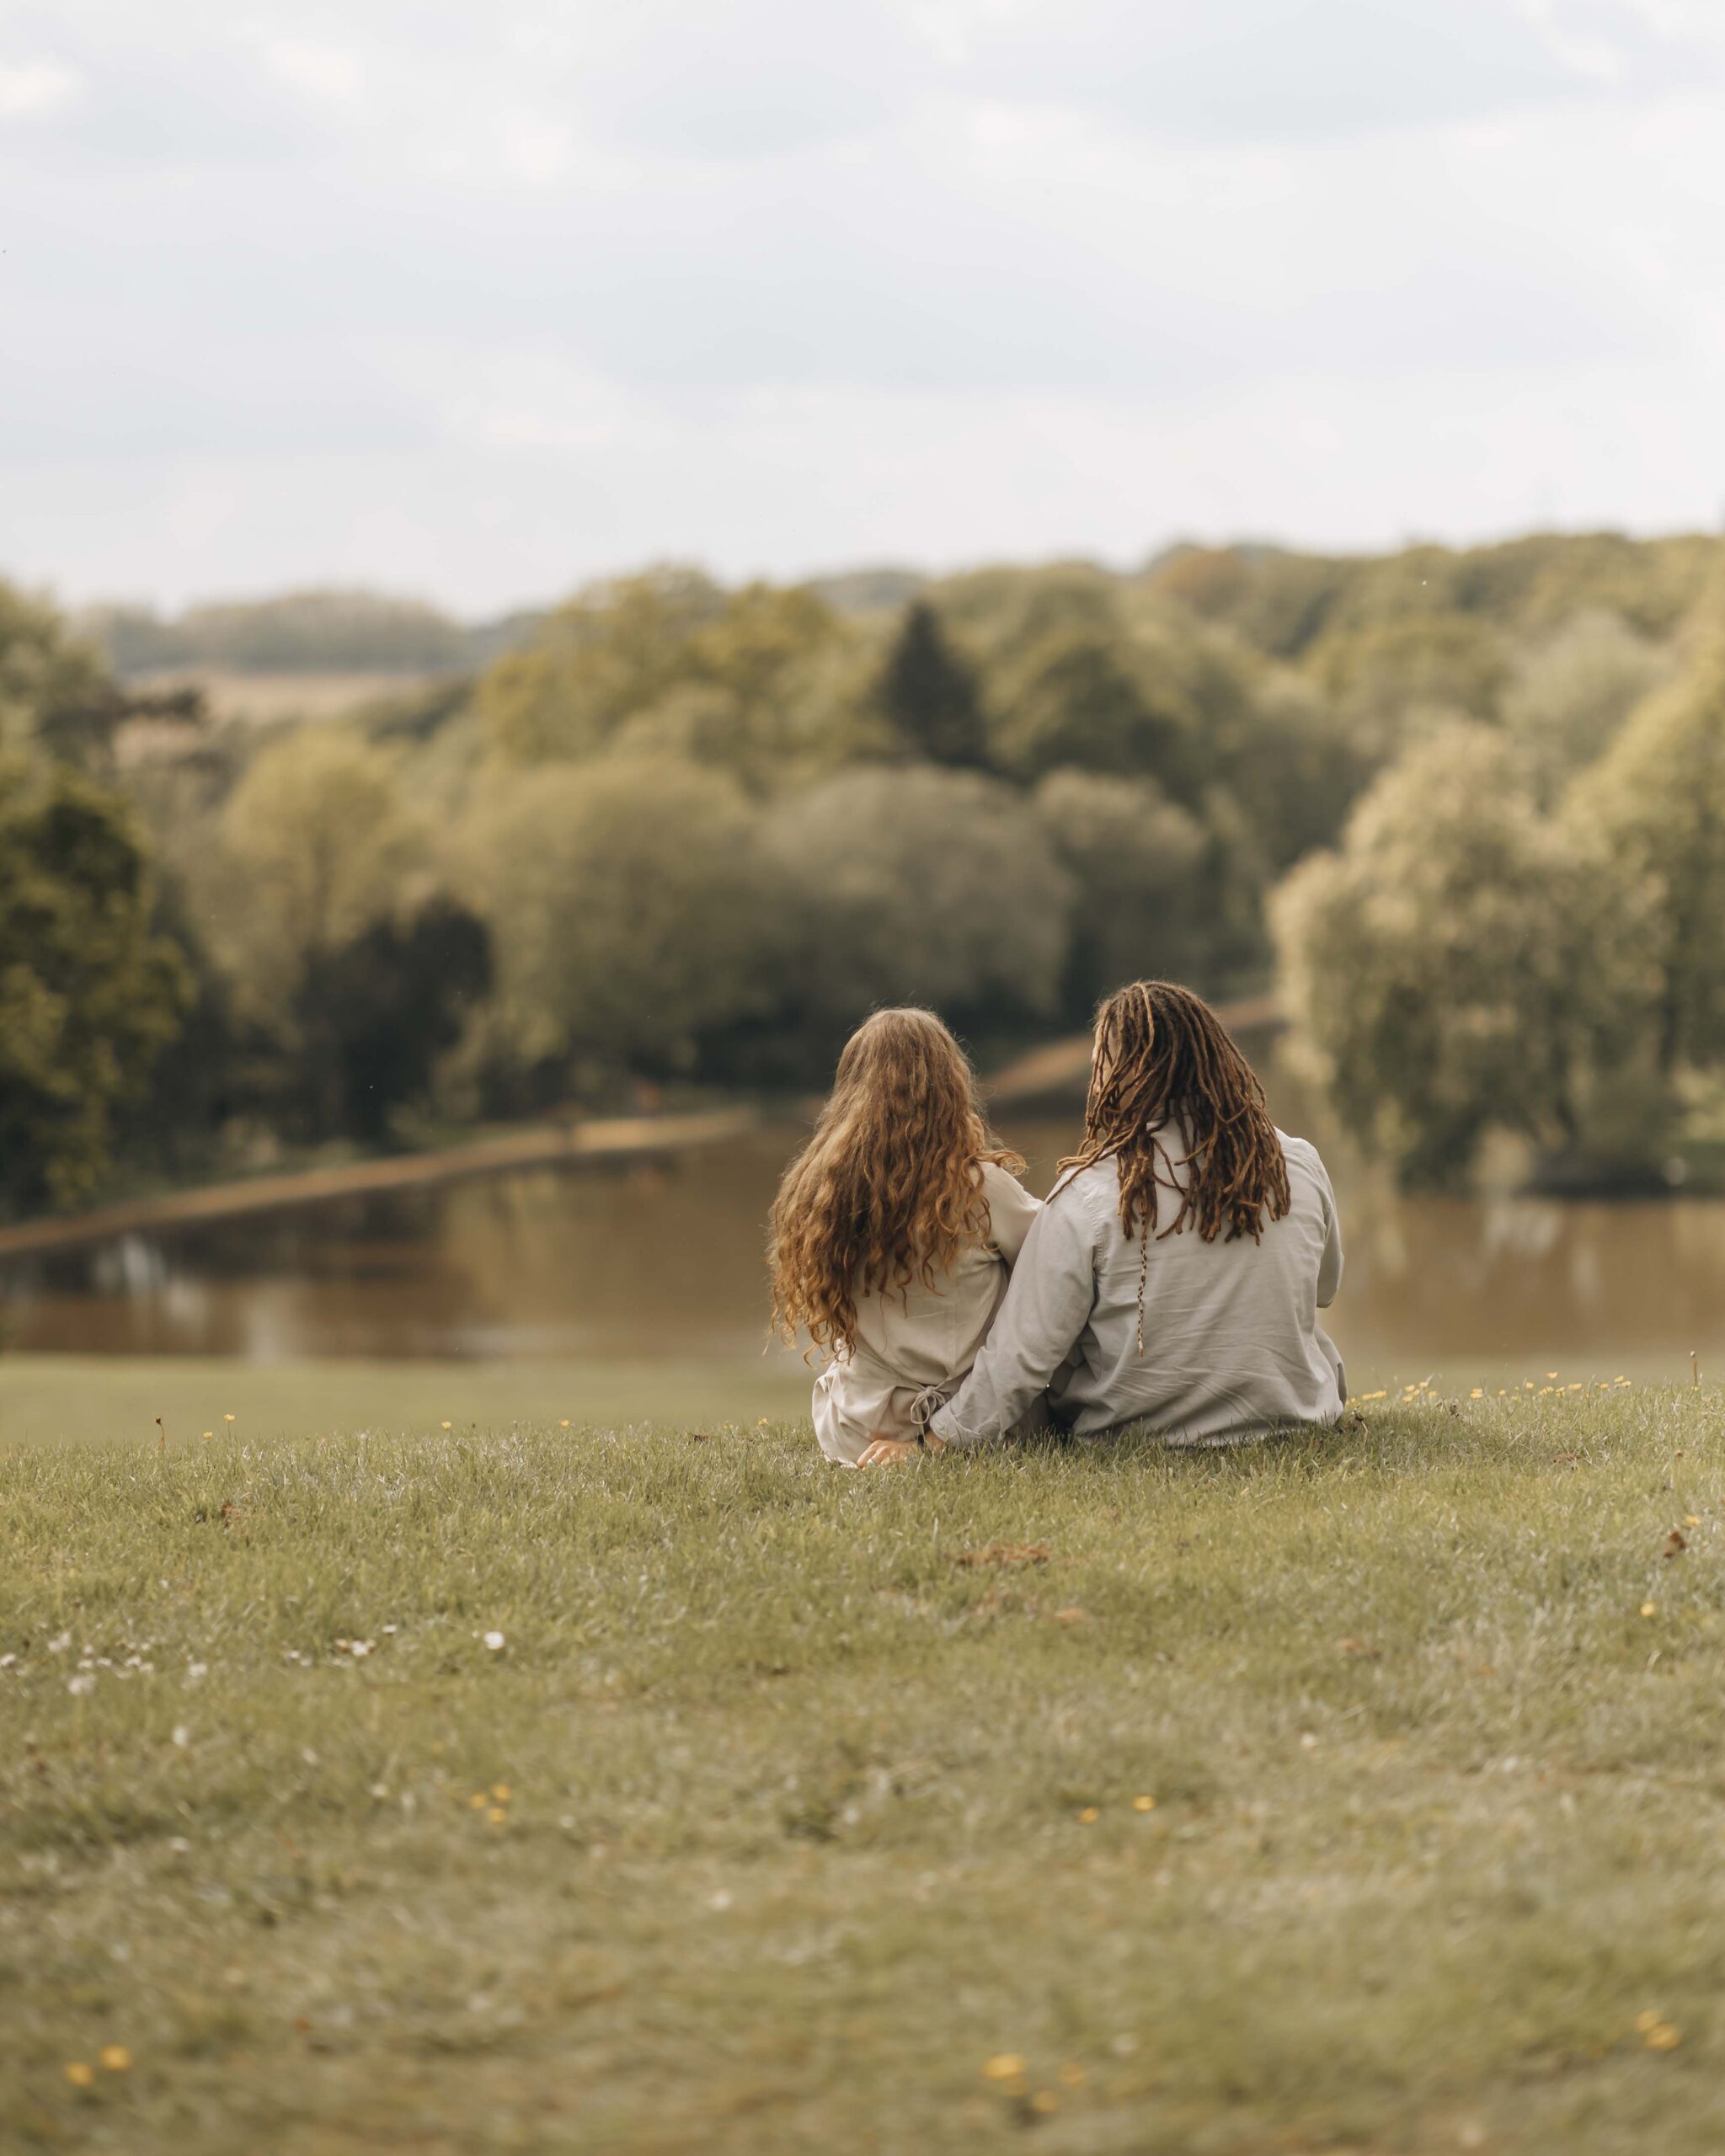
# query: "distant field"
[[264, 698], [518, 1789]]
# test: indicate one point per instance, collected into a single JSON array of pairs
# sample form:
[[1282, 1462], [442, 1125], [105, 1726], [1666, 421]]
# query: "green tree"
[[1393, 679], [929, 694], [915, 885], [1136, 862], [1573, 689], [1656, 803], [318, 838], [1460, 964], [88, 992], [55, 697], [628, 910]]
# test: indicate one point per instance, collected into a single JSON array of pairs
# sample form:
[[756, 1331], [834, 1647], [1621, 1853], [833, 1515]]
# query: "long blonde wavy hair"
[[887, 1191]]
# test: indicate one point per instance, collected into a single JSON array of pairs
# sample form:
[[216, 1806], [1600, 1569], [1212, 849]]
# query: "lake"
[[665, 1259]]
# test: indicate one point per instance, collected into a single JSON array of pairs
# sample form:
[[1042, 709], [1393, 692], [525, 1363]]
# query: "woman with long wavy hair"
[[1175, 1275], [894, 1233]]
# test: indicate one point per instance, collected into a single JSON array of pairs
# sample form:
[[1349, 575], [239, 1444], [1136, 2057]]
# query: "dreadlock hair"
[[887, 1190], [1162, 1057]]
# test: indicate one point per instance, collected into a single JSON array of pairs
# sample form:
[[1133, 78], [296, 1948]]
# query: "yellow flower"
[[564, 1424], [1551, 1374], [501, 1791], [476, 1802], [1089, 1816], [1646, 2019], [80, 2074], [1478, 1393], [1650, 1610], [1662, 2037], [446, 1425], [116, 2058], [1144, 1804], [227, 1418], [497, 1816], [1004, 2065], [209, 1433], [1691, 1519], [1045, 2101]]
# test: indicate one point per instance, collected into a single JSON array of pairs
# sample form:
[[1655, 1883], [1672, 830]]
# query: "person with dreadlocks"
[[1175, 1274], [894, 1232]]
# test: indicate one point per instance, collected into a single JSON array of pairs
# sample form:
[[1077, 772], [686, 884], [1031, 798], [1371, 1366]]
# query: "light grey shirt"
[[1232, 1340]]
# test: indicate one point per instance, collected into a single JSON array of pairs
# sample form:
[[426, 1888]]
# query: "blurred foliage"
[[669, 828], [88, 992], [1461, 962], [626, 909]]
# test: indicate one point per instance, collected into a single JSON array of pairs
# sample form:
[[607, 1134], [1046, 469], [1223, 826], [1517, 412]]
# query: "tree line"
[[1467, 807]]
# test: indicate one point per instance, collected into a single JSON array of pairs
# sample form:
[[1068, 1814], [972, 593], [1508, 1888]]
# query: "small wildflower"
[[1478, 1393], [1551, 1374], [1144, 1804], [1691, 1519], [228, 1418], [1663, 2037], [1650, 1610], [182, 1737], [59, 1643], [1074, 2076], [1089, 1816], [1044, 2101], [80, 2074], [564, 1424], [498, 1815], [502, 1792], [209, 1433], [196, 1670], [494, 1641], [1647, 2019], [446, 1425], [1004, 2065], [476, 1802], [116, 2058], [80, 1685]]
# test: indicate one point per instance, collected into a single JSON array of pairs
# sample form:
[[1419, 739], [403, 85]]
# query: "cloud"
[[487, 299], [32, 89], [330, 74]]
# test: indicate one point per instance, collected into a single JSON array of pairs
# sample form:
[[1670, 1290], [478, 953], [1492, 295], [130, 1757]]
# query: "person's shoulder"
[[1086, 1191], [1300, 1153], [996, 1181]]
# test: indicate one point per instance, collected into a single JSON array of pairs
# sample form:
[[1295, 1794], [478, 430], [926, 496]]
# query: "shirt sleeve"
[[1047, 1305], [1329, 1266], [1011, 1210]]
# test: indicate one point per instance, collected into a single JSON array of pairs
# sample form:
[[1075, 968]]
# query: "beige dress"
[[915, 1345]]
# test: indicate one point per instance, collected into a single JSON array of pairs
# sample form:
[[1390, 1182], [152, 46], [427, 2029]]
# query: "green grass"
[[45, 1399], [810, 1818]]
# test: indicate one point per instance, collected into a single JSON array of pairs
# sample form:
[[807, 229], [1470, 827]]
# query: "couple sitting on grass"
[[1173, 1278]]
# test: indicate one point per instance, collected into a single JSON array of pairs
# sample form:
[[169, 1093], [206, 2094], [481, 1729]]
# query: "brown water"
[[664, 1260]]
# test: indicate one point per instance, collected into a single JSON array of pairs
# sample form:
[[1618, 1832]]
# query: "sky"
[[477, 302]]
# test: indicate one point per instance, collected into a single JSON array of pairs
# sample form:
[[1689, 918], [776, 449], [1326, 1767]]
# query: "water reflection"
[[666, 1260]]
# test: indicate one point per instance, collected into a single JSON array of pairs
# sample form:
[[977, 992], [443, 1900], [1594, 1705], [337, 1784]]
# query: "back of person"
[[894, 1232], [1232, 1341], [1176, 1272]]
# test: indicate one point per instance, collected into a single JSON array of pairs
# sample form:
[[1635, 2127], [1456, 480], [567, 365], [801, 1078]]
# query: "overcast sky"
[[478, 301]]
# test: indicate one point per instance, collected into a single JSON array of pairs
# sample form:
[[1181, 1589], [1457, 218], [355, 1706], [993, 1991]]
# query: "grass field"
[[528, 1789]]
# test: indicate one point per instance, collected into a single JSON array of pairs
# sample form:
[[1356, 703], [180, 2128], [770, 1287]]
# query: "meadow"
[[373, 1784]]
